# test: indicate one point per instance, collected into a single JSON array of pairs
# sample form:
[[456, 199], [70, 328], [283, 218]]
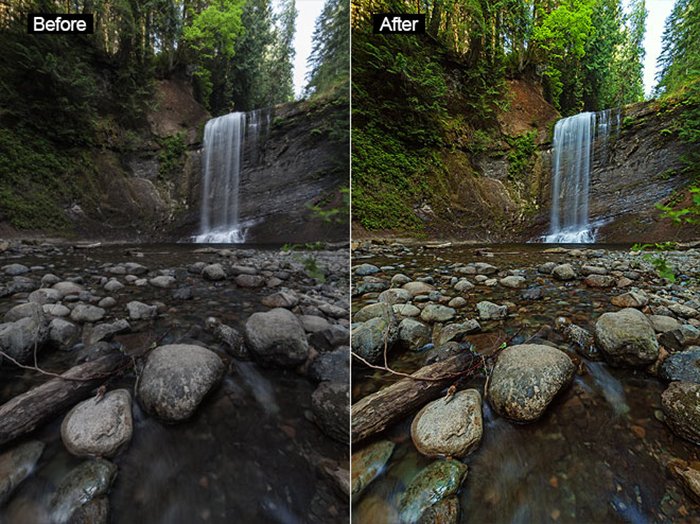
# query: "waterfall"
[[575, 139], [226, 139]]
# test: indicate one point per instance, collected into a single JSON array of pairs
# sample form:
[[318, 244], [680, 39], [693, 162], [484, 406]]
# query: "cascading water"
[[575, 139], [226, 138]]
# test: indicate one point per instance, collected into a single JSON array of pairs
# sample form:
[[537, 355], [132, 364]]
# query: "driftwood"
[[31, 409], [380, 410]]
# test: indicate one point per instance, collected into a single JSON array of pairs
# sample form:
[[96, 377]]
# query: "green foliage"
[[328, 213], [329, 62], [172, 154], [521, 156], [657, 259]]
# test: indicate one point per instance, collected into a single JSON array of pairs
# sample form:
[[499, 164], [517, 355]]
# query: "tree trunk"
[[380, 410], [31, 409]]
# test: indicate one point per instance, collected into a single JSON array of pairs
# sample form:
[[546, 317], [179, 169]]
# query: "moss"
[[521, 156], [172, 154]]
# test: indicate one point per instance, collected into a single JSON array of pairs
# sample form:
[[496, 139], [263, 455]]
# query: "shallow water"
[[248, 455], [599, 453]]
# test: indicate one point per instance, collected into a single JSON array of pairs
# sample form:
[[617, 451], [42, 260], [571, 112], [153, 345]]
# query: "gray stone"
[[514, 282], [330, 404], [456, 331], [113, 285], [440, 480], [176, 378], [368, 338], [250, 281], [405, 310], [332, 366], [457, 302], [395, 296], [463, 285], [87, 313], [68, 288], [526, 378], [437, 313], [56, 310], [380, 309], [564, 272], [682, 367], [63, 333], [682, 310], [45, 296], [99, 427], [399, 280], [19, 339], [449, 426], [328, 339], [626, 338], [599, 281], [662, 323], [214, 272], [285, 299], [630, 299], [413, 334], [162, 281], [276, 338], [234, 341], [15, 269], [28, 309], [16, 464], [365, 269], [134, 268], [140, 311], [418, 288], [107, 331], [681, 406], [490, 311], [683, 336], [368, 463], [107, 302], [483, 268]]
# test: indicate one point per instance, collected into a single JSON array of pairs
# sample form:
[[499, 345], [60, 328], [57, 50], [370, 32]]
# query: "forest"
[[581, 55], [68, 94]]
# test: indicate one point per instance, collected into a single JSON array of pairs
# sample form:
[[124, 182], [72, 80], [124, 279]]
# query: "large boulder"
[[526, 378], [626, 338], [449, 426], [176, 378], [369, 338], [330, 404], [99, 427], [28, 309], [681, 405], [19, 339], [276, 338], [413, 334]]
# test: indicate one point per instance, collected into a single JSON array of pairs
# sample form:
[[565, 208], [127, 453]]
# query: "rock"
[[107, 331], [626, 338], [630, 299], [237, 269], [99, 427], [28, 309], [662, 323], [15, 269], [113, 286], [682, 310], [526, 378], [546, 268], [490, 311], [18, 339], [690, 477], [280, 299], [16, 464], [107, 302], [450, 427], [162, 281], [368, 463], [456, 331], [413, 334], [380, 309], [482, 268], [330, 338], [599, 281], [330, 404], [68, 288], [399, 280], [313, 323], [513, 282], [332, 366], [56, 310], [438, 481], [394, 296], [437, 313], [94, 512], [681, 406], [49, 280], [368, 338], [444, 512], [457, 302], [276, 338], [250, 281], [134, 268], [183, 293], [463, 285], [87, 313], [63, 333], [176, 378], [405, 310], [681, 337], [418, 288], [235, 342], [682, 367], [90, 480], [365, 269], [593, 270], [564, 272], [140, 311], [45, 296], [214, 272]]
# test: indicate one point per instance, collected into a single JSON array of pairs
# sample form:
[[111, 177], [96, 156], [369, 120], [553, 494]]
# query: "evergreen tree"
[[329, 62]]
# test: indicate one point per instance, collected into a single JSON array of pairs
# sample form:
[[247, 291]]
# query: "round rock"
[[176, 378], [99, 427], [681, 405], [627, 338], [450, 427], [276, 337]]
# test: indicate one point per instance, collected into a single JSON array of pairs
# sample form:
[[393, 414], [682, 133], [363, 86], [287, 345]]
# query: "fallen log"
[[31, 409], [378, 411]]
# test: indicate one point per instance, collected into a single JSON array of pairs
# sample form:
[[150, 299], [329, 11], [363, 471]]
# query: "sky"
[[656, 18], [309, 10]]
